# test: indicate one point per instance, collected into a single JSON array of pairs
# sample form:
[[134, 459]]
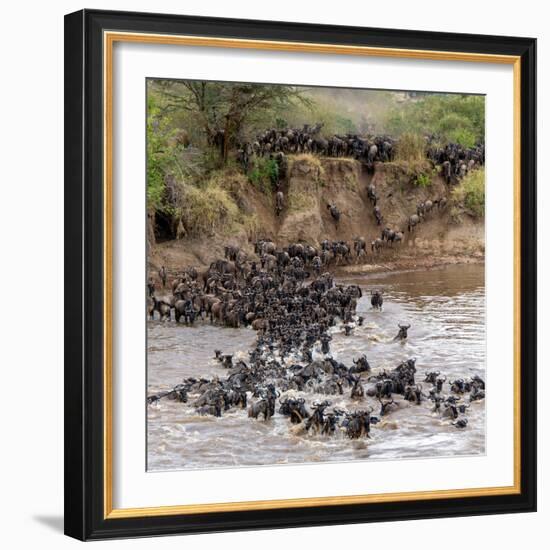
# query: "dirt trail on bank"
[[311, 184]]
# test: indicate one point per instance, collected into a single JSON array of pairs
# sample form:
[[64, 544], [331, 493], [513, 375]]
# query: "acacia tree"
[[223, 109]]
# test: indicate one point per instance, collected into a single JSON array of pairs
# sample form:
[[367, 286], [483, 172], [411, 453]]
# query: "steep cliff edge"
[[447, 235]]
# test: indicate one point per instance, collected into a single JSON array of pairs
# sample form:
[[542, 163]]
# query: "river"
[[446, 310]]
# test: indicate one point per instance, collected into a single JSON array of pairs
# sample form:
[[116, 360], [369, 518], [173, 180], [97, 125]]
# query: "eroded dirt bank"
[[447, 236]]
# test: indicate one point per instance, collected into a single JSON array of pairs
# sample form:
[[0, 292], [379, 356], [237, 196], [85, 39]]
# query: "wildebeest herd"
[[455, 160], [341, 250], [308, 139], [289, 297], [295, 308]]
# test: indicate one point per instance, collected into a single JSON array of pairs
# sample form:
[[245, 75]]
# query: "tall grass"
[[208, 210], [215, 207], [470, 193], [410, 148]]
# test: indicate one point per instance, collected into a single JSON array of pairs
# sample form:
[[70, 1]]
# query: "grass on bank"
[[470, 193], [215, 206], [207, 210], [410, 148], [419, 173]]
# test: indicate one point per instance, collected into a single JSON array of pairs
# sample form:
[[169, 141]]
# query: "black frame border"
[[84, 453]]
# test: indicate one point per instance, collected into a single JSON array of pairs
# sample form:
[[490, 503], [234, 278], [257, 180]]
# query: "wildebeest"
[[386, 407], [357, 424], [376, 245], [334, 212], [446, 171], [431, 377], [360, 365], [376, 299], [413, 393], [279, 203], [441, 202], [357, 390], [402, 334], [317, 418], [295, 409], [331, 422], [377, 215], [161, 306], [359, 246], [460, 423], [163, 276], [371, 194], [266, 405], [414, 220]]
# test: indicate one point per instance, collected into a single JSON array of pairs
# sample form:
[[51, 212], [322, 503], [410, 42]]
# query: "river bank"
[[404, 265], [200, 254]]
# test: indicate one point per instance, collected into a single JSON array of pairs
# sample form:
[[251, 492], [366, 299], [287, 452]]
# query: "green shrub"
[[450, 117], [464, 137], [402, 173], [264, 174], [162, 156], [422, 180], [470, 193], [156, 158]]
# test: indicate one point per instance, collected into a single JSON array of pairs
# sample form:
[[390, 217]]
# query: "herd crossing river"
[[446, 310]]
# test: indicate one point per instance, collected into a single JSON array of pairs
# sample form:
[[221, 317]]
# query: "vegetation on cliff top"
[[411, 148], [448, 117]]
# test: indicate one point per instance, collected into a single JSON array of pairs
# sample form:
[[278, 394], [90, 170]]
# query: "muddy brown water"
[[446, 310]]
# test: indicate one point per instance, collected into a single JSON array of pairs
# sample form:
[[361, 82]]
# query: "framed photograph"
[[300, 266]]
